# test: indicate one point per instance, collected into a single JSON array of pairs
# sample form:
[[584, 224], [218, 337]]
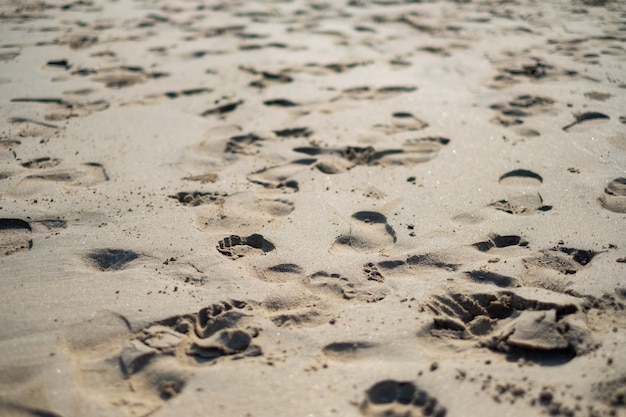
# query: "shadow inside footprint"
[[235, 246], [111, 259], [369, 232], [14, 236], [280, 176], [280, 273], [402, 122], [499, 280], [499, 241], [344, 351], [390, 398]]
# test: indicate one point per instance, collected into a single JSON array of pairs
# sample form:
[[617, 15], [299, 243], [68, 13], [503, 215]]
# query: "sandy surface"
[[300, 208]]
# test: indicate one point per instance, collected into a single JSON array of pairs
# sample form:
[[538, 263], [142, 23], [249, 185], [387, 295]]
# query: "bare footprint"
[[390, 398], [235, 246], [198, 198], [522, 195], [614, 196], [155, 359], [369, 232], [333, 285], [549, 268], [217, 212], [14, 236], [296, 308]]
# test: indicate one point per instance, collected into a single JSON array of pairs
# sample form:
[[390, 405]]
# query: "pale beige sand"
[[298, 208]]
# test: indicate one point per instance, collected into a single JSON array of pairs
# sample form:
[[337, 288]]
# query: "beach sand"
[[307, 208]]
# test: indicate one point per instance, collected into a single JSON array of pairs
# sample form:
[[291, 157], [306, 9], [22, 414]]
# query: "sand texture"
[[312, 208]]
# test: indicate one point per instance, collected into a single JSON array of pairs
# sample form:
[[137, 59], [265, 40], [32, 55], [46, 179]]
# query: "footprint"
[[498, 241], [111, 259], [281, 273], [402, 122], [275, 207], [346, 351], [614, 196], [77, 41], [217, 212], [537, 324], [369, 232], [224, 329], [63, 109], [244, 144], [522, 195], [369, 93], [294, 132], [41, 163], [483, 276], [202, 178], [86, 175], [14, 236], [237, 247], [266, 78], [280, 102], [222, 109], [414, 151], [123, 76], [519, 70], [27, 127], [415, 262], [297, 308], [315, 68], [372, 273], [198, 198], [515, 112], [561, 260], [390, 398], [280, 176], [331, 284], [338, 160], [183, 93]]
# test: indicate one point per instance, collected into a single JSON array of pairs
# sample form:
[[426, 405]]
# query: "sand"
[[298, 208]]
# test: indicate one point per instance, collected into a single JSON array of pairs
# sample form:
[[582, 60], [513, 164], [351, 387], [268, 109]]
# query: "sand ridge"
[[357, 208]]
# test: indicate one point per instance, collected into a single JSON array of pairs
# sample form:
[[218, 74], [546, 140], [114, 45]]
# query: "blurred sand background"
[[309, 208]]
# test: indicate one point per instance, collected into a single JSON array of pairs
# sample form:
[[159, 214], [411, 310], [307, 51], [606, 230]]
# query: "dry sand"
[[306, 208]]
